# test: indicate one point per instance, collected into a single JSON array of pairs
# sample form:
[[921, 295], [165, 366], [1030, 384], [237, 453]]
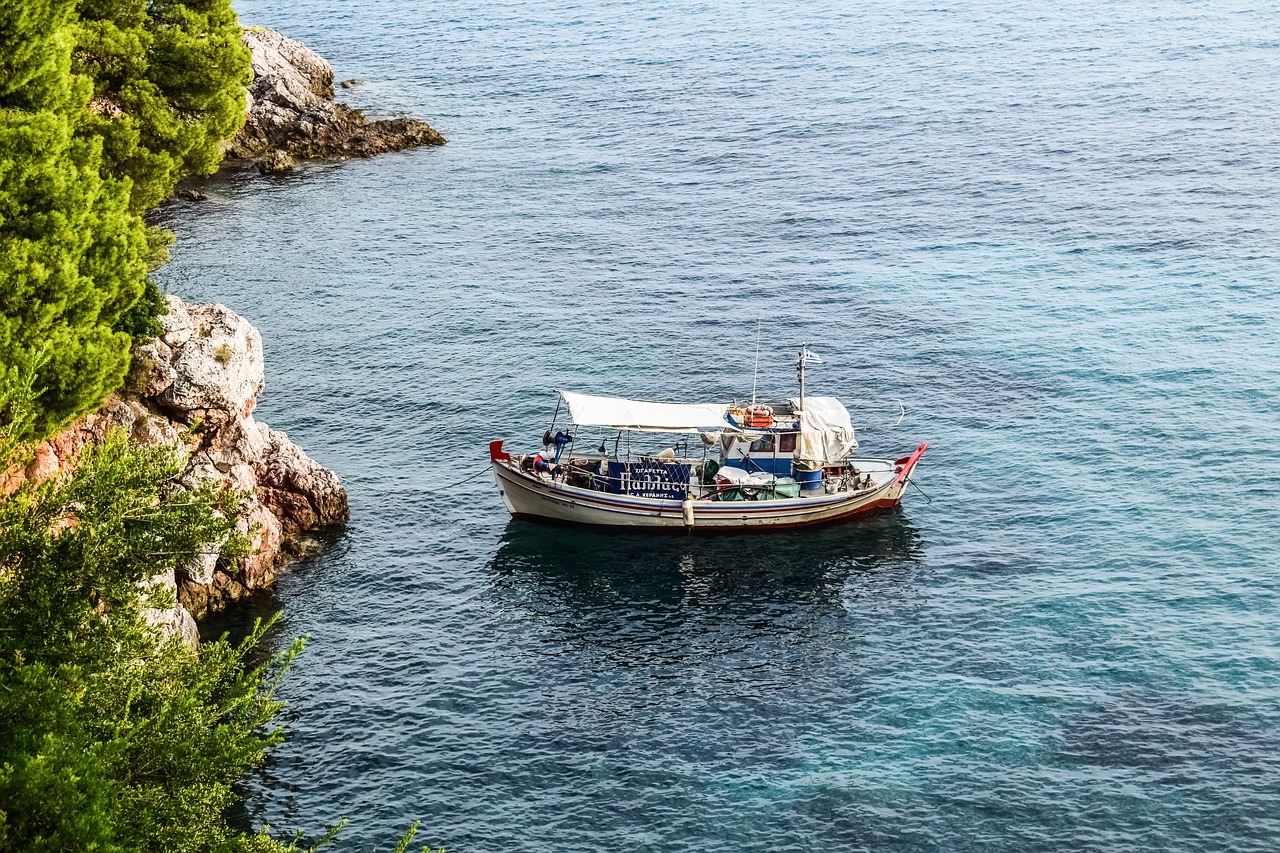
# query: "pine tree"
[[168, 82], [71, 251], [104, 106]]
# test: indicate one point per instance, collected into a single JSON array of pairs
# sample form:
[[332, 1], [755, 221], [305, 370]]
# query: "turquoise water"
[[1052, 233]]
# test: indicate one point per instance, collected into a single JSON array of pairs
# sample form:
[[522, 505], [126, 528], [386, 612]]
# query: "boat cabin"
[[714, 451]]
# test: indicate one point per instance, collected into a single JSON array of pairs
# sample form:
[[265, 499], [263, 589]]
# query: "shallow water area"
[[1052, 234]]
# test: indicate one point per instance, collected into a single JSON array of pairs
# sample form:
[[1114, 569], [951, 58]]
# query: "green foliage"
[[158, 243], [104, 105], [408, 838], [17, 408], [71, 252], [112, 738], [141, 321], [113, 526], [168, 87]]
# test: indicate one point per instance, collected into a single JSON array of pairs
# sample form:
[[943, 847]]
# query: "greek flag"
[[807, 356]]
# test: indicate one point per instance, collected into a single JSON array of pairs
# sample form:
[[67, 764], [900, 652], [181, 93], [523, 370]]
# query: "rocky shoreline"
[[293, 114], [196, 387]]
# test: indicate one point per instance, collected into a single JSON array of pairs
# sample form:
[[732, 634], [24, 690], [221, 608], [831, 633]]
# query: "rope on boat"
[[466, 479], [902, 414], [921, 491]]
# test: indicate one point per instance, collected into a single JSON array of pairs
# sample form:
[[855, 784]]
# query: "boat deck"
[[881, 472]]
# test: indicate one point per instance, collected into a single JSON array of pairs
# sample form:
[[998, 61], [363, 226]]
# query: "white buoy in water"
[[687, 507]]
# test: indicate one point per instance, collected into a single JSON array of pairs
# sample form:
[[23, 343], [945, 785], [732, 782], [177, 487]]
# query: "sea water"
[[1051, 231]]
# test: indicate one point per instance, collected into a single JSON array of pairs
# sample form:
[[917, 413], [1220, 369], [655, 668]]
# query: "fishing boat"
[[724, 466]]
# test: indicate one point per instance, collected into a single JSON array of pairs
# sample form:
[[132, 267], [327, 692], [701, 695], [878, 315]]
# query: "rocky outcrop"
[[292, 112], [196, 386], [174, 621], [276, 162]]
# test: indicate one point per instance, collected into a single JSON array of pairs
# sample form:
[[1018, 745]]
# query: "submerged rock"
[[276, 162], [197, 385], [292, 111]]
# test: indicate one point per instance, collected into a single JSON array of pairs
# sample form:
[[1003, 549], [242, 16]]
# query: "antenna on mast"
[[756, 371], [807, 357]]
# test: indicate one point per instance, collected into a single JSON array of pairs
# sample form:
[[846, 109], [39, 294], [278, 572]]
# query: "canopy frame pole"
[[556, 416]]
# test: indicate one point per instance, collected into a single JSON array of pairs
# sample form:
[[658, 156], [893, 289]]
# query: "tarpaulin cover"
[[616, 413], [826, 432]]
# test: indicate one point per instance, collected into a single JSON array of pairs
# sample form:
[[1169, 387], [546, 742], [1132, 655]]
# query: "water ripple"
[[1051, 232]]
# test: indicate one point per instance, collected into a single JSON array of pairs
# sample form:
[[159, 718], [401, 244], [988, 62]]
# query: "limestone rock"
[[200, 568], [176, 323], [174, 622], [303, 494], [44, 465], [153, 430], [292, 110], [201, 598], [306, 546], [151, 370], [265, 532], [217, 372], [286, 71], [195, 389]]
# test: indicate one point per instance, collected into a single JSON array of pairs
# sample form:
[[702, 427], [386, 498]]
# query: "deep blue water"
[[1051, 230]]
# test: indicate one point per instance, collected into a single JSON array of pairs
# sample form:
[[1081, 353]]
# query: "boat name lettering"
[[649, 479]]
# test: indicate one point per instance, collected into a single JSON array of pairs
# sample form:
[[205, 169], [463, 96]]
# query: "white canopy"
[[616, 413], [826, 432]]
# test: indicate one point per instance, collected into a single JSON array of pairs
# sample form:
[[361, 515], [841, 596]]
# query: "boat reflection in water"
[[651, 601]]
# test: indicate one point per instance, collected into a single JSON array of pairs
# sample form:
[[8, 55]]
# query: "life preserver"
[[758, 416]]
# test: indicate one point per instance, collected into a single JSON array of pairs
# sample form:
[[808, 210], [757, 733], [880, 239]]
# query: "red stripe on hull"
[[865, 511], [534, 499]]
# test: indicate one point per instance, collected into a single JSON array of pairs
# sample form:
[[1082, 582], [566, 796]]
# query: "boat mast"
[[756, 371], [804, 349]]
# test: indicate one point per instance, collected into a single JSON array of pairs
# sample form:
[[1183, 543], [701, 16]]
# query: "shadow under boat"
[[730, 609], [586, 564]]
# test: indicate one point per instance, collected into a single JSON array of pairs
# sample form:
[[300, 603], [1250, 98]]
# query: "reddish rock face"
[[58, 454], [45, 464], [304, 495], [198, 385]]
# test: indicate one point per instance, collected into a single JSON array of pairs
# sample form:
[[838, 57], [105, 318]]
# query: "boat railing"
[[668, 475]]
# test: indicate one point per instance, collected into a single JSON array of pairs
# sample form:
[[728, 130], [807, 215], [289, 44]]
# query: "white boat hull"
[[528, 495]]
